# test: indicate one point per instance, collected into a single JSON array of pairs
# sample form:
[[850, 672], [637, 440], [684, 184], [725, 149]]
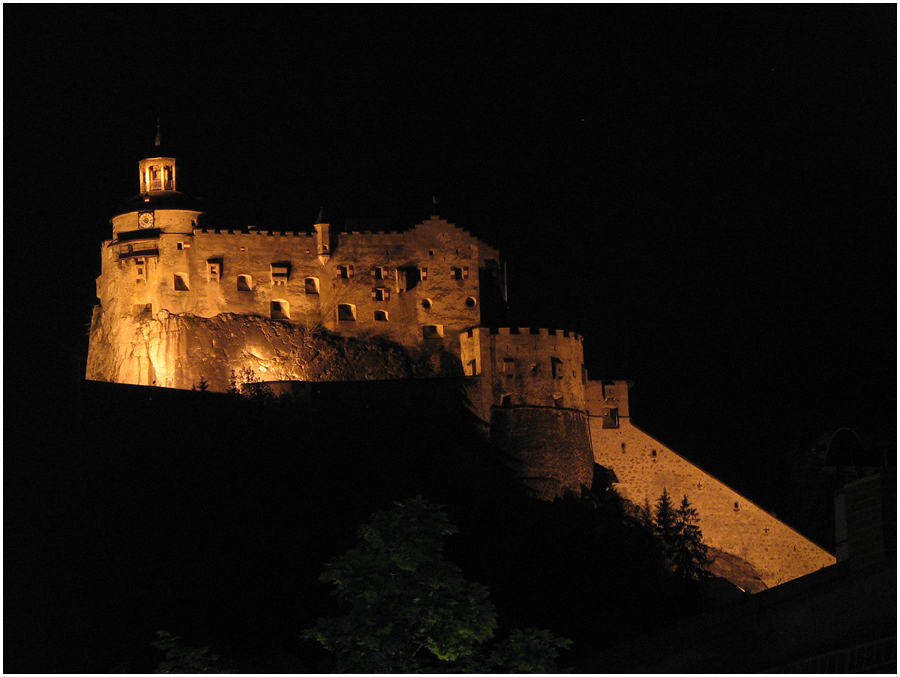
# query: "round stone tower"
[[532, 391]]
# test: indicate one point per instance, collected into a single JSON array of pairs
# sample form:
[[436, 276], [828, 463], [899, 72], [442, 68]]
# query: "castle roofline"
[[168, 199]]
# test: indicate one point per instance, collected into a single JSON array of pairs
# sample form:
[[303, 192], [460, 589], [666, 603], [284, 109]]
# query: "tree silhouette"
[[690, 558], [412, 611]]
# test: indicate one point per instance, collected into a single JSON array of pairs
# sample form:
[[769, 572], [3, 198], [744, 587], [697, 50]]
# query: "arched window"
[[311, 285], [244, 283], [281, 310], [346, 312]]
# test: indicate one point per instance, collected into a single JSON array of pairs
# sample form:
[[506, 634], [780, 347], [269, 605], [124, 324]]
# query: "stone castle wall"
[[418, 288], [549, 449], [644, 467]]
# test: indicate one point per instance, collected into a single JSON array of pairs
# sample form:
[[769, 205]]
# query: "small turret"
[[323, 238]]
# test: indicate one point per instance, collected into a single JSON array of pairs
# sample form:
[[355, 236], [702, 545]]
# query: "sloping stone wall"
[[731, 523]]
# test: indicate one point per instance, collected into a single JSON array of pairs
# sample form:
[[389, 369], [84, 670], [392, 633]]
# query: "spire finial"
[[158, 137], [434, 210], [321, 215]]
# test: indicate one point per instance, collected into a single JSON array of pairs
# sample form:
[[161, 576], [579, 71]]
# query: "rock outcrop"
[[180, 351]]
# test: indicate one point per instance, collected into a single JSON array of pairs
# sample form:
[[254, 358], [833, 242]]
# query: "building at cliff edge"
[[182, 301]]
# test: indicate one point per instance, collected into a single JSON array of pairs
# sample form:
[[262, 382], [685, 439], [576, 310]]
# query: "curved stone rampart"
[[549, 449]]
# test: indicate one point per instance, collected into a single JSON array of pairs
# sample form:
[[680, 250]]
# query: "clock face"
[[145, 220]]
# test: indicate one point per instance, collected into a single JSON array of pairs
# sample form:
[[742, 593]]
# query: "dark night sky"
[[707, 194]]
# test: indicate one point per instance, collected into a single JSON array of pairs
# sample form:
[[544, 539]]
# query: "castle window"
[[558, 402], [471, 367], [506, 401], [214, 270], [456, 273], [653, 453], [381, 316], [423, 273], [155, 181], [244, 283], [430, 252], [432, 331], [311, 285], [736, 506], [180, 246], [281, 272], [346, 312], [471, 302], [611, 419], [345, 272], [169, 178], [509, 365], [381, 294], [181, 282], [281, 310], [378, 272], [556, 368], [140, 267], [426, 304]]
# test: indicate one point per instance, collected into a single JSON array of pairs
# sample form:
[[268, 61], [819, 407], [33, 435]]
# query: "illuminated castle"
[[184, 302]]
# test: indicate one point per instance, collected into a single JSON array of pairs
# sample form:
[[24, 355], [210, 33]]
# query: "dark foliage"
[[212, 515]]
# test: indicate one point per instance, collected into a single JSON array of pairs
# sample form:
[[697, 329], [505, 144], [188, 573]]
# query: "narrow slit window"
[[556, 368]]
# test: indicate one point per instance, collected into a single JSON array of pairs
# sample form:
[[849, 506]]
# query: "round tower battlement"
[[527, 366]]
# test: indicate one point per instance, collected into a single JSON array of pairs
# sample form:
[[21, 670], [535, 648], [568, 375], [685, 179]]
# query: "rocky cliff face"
[[178, 351]]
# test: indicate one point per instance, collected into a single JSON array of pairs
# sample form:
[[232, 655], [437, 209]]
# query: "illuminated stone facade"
[[183, 302]]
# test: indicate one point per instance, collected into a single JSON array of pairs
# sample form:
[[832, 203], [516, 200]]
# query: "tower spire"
[[158, 137]]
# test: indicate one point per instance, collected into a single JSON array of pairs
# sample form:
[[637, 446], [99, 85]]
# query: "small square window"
[[381, 316], [346, 312]]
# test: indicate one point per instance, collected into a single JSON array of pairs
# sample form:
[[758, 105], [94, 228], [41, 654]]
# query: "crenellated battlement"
[[529, 331]]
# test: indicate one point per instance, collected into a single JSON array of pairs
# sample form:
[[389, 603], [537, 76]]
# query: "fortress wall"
[[395, 283], [549, 448], [644, 467]]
